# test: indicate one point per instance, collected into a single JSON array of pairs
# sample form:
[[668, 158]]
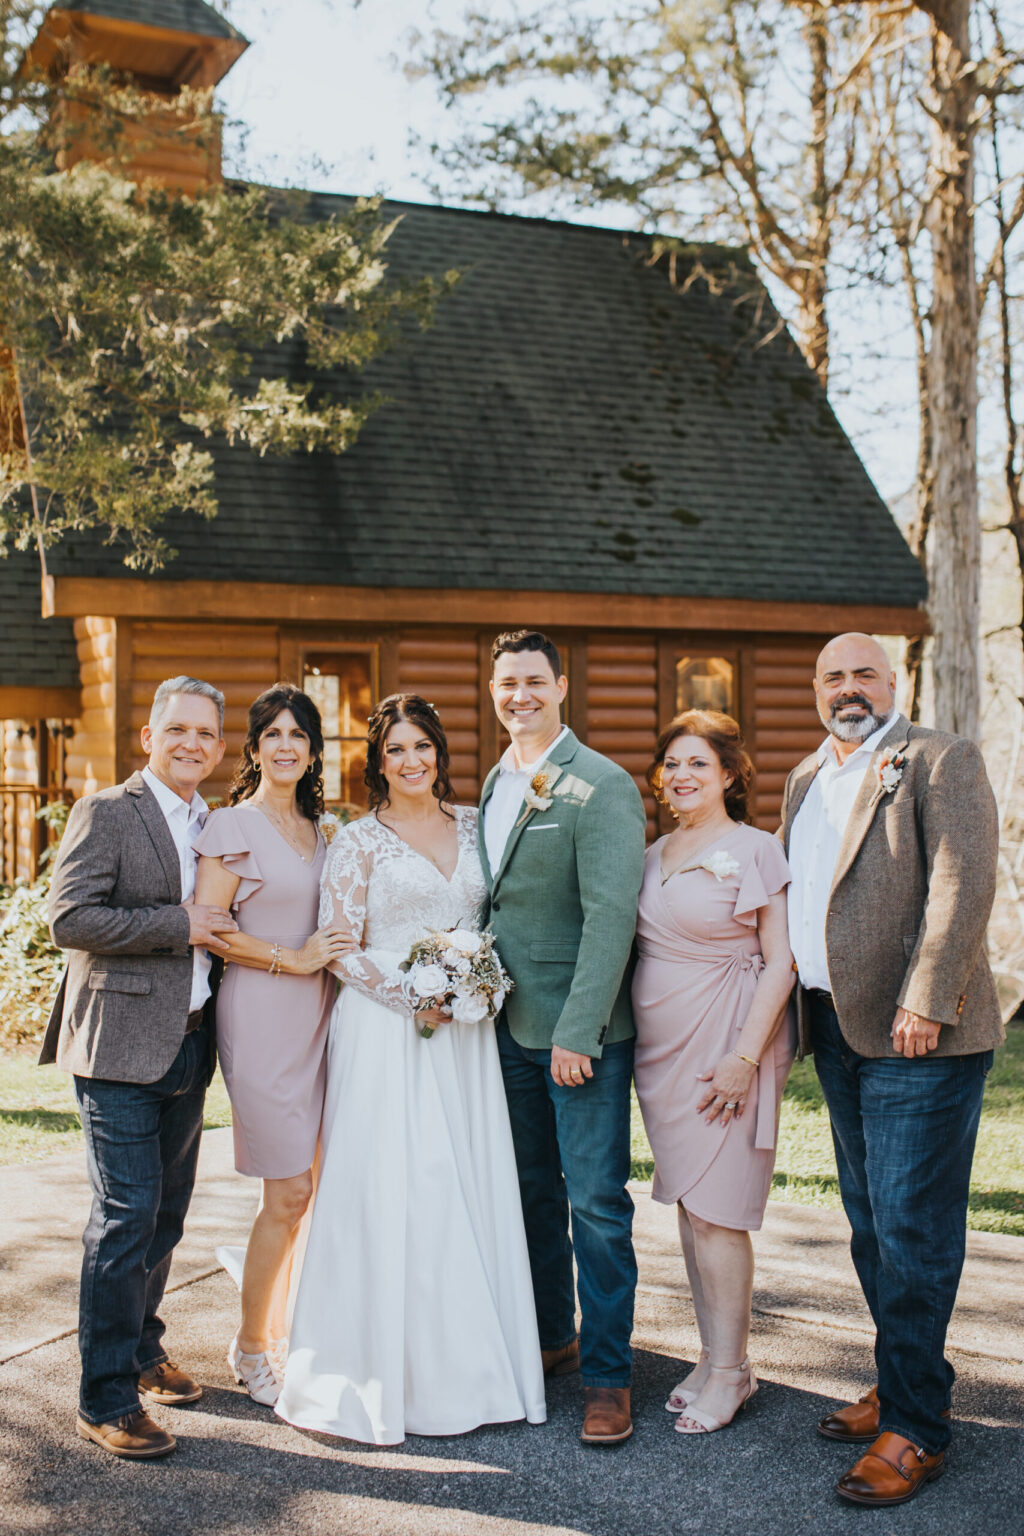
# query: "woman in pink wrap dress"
[[714, 1039]]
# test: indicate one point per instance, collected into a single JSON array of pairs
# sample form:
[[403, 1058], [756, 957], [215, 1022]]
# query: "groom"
[[562, 843]]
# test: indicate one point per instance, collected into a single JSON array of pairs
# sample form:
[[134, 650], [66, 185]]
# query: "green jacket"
[[563, 903]]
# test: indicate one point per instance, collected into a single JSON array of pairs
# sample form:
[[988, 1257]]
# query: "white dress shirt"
[[184, 822], [814, 843], [506, 802]]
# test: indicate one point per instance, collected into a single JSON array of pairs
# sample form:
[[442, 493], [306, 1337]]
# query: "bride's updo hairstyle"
[[309, 791], [418, 713], [722, 734]]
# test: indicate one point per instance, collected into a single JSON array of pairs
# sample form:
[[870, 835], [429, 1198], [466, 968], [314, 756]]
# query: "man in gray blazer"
[[892, 838], [562, 843], [133, 1022]]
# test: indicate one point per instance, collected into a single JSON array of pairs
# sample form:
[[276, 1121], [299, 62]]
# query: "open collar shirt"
[[185, 822], [814, 843], [502, 810]]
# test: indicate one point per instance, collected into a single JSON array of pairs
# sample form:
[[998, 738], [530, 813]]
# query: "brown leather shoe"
[[854, 1423], [606, 1418], [133, 1436], [561, 1362], [165, 1383], [891, 1472], [857, 1422]]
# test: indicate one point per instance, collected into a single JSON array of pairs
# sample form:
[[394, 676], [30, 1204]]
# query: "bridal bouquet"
[[457, 968]]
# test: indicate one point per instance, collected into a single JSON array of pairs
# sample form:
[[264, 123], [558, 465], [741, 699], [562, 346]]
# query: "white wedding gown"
[[414, 1312]]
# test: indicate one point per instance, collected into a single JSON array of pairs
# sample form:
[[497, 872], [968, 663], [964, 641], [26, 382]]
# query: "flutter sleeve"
[[765, 875], [225, 837], [343, 888]]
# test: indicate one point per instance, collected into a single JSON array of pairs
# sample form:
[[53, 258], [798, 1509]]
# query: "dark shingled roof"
[[572, 421], [34, 652], [193, 16]]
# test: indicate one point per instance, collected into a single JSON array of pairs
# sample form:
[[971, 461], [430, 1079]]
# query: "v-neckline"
[[694, 861], [280, 835], [428, 861]]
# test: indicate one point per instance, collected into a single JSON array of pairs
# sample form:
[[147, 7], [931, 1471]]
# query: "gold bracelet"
[[748, 1059], [275, 960]]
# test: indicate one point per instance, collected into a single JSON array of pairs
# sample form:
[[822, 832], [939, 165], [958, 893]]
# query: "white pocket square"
[[543, 826]]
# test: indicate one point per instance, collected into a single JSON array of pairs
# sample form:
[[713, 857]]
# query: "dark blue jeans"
[[572, 1150], [142, 1146], [904, 1131]]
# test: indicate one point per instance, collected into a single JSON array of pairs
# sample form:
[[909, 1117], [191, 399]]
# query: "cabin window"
[[340, 683], [705, 682]]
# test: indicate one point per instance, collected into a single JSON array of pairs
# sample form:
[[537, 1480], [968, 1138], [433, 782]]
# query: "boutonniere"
[[719, 864], [890, 770], [538, 795], [328, 824]]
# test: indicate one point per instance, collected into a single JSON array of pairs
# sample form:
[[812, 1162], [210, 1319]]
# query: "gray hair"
[[175, 685]]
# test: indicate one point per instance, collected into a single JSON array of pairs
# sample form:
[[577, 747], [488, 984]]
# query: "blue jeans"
[[572, 1150], [904, 1131], [142, 1146]]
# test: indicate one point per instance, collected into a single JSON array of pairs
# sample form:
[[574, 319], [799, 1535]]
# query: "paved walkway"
[[239, 1470]]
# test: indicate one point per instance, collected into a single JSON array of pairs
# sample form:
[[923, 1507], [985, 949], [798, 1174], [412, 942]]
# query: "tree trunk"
[[954, 556], [813, 290]]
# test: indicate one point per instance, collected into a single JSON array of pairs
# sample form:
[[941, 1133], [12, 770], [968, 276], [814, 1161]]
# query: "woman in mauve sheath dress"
[[263, 856], [711, 890]]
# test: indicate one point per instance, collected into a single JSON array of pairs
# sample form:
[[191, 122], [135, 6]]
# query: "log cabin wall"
[[785, 722], [241, 660], [622, 688], [91, 760]]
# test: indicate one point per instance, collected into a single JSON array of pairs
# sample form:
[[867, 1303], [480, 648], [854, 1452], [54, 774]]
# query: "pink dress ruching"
[[271, 1030], [699, 960]]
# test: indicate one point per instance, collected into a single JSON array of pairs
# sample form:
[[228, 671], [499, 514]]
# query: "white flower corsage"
[[719, 864], [890, 771], [328, 824], [538, 795]]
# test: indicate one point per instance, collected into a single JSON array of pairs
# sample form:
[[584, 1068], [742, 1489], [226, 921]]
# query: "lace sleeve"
[[343, 902]]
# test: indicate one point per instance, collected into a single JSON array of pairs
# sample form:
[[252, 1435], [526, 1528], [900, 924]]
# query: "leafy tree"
[[129, 314]]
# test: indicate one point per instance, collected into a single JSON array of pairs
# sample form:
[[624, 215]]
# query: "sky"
[[325, 104]]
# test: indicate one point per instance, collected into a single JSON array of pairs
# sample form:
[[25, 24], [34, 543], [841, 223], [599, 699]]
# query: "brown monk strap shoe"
[[606, 1418], [891, 1472], [857, 1423], [561, 1362], [165, 1383], [133, 1436]]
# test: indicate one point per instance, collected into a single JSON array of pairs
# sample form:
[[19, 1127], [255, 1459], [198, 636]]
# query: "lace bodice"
[[387, 895]]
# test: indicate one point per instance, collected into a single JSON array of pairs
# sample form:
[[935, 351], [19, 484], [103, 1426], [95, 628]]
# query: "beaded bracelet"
[[275, 960]]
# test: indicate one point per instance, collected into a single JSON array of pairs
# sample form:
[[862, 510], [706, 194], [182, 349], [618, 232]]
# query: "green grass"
[[39, 1115], [805, 1170]]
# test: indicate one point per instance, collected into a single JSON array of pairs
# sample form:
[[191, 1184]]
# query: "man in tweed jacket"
[[892, 838], [133, 1023], [562, 843]]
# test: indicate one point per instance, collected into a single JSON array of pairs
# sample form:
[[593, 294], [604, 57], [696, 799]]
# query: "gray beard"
[[856, 730]]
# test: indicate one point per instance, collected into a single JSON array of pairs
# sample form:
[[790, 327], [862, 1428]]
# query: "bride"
[[414, 1312]]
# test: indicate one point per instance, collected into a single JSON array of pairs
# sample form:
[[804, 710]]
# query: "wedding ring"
[[730, 1104], [576, 1072]]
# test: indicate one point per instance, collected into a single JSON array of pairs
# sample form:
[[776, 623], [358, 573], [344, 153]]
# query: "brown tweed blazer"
[[911, 897], [115, 906]]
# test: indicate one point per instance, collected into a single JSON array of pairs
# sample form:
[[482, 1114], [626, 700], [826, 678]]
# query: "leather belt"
[[194, 1021], [819, 995]]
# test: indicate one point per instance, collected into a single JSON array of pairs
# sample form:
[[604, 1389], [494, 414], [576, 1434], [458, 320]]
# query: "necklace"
[[282, 827]]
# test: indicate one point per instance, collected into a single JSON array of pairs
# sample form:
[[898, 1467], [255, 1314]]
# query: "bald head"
[[854, 687]]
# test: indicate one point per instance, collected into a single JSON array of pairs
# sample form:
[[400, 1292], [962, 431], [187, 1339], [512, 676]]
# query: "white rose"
[[465, 941], [469, 1010], [719, 864], [498, 1000], [463, 966], [428, 980]]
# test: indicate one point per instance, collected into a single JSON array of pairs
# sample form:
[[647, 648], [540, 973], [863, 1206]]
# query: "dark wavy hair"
[[410, 707], [722, 734], [309, 791]]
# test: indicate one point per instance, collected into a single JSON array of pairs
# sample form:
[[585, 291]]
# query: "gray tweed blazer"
[[115, 906], [911, 896]]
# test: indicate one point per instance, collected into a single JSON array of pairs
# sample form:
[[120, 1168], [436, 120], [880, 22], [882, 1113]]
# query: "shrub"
[[30, 963]]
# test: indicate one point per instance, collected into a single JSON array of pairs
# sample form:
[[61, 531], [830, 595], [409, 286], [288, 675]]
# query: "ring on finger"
[[730, 1104]]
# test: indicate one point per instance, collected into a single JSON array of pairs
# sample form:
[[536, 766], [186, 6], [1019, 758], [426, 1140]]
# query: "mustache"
[[849, 698]]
